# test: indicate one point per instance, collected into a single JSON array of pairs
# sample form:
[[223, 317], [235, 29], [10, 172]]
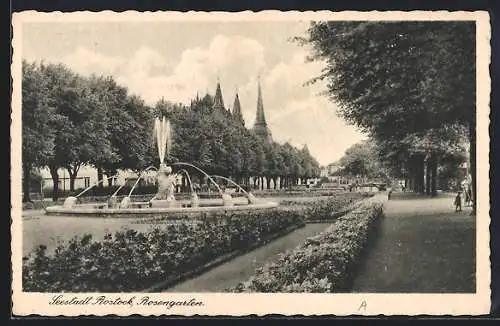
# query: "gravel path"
[[421, 245], [242, 267]]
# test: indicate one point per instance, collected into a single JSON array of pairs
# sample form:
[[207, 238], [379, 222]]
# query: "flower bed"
[[131, 260], [321, 264], [325, 209], [312, 192]]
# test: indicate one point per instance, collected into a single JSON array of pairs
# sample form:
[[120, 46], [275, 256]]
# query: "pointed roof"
[[260, 126], [261, 117], [218, 100], [237, 109]]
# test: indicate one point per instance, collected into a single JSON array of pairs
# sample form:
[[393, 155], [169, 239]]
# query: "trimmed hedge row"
[[131, 261], [326, 209], [320, 264]]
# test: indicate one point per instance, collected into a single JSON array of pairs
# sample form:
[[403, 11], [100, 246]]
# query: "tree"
[[363, 160], [393, 79], [130, 125], [81, 134], [37, 119]]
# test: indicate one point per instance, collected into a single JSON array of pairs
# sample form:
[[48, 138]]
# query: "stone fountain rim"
[[82, 210]]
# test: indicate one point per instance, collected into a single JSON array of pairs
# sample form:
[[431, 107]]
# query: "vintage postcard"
[[214, 163]]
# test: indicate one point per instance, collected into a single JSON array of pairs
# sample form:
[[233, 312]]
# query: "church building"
[[260, 127]]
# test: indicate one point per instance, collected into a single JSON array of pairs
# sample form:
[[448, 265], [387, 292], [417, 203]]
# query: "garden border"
[[333, 217], [345, 280], [219, 261], [225, 258]]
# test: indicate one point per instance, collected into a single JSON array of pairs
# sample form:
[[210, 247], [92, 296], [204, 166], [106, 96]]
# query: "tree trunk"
[[428, 167], [411, 176], [100, 177], [268, 181], [184, 185], [434, 176], [73, 173], [72, 177], [55, 182], [419, 159], [26, 182], [472, 139]]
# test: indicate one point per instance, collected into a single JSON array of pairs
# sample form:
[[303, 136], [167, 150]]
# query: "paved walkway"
[[242, 267], [421, 245]]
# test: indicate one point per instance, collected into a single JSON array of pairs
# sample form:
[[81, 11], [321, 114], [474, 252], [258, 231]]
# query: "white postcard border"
[[261, 304]]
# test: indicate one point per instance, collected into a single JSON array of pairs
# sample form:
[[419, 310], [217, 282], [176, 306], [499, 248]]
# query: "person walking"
[[467, 197], [458, 202]]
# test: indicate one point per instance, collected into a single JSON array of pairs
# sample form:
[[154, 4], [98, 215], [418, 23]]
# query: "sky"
[[176, 60]]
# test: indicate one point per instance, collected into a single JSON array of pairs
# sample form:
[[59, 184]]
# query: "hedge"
[[322, 263], [325, 209], [132, 261]]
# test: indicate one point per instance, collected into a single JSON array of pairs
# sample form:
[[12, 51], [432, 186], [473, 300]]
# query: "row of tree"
[[364, 161], [409, 85], [69, 121], [221, 145]]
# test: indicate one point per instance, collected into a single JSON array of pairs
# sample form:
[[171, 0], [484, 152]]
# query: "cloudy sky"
[[175, 60]]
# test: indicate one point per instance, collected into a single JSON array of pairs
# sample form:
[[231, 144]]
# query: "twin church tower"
[[260, 126]]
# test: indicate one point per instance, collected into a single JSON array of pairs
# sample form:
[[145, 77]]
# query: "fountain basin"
[[160, 208]]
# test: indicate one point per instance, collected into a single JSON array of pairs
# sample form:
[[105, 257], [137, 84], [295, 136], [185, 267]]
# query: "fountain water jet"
[[164, 201], [194, 196], [251, 198], [227, 200], [71, 200]]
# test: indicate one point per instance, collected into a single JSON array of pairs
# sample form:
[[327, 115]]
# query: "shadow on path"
[[421, 246]]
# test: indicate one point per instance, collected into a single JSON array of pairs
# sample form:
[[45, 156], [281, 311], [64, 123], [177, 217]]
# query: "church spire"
[[218, 101], [260, 126], [237, 109], [261, 118]]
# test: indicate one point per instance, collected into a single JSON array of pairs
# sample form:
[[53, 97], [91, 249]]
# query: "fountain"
[[164, 202]]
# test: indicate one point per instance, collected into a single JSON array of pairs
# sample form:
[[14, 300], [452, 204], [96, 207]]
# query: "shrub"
[[322, 262], [130, 260], [325, 209]]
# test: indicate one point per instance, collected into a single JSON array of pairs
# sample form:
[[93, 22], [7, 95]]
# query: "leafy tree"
[[362, 160], [71, 121], [37, 117], [81, 134], [393, 79]]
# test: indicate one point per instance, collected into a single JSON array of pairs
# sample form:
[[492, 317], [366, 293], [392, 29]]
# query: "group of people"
[[465, 192]]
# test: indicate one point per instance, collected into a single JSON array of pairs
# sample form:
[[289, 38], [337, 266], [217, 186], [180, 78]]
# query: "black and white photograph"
[[249, 163]]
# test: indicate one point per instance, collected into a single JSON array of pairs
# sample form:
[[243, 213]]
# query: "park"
[[189, 198]]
